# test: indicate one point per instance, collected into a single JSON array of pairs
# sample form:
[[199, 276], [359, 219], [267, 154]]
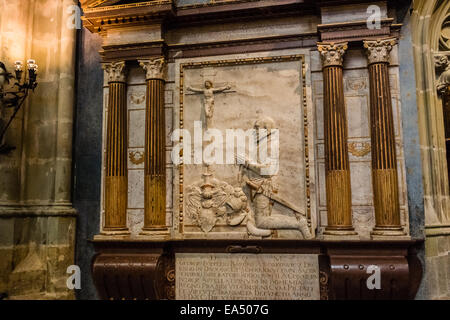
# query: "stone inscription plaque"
[[247, 276]]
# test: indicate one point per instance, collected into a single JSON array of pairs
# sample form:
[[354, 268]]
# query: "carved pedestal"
[[146, 270]]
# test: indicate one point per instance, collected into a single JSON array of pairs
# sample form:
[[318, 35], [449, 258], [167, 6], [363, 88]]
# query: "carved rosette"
[[154, 68], [332, 53], [115, 71], [379, 51]]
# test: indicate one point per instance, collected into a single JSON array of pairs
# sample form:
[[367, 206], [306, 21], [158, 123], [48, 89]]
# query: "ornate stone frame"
[[233, 62]]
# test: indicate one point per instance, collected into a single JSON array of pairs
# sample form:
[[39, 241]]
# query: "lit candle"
[[32, 65], [18, 65]]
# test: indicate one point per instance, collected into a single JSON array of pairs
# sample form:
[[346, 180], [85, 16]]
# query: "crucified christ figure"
[[208, 93]]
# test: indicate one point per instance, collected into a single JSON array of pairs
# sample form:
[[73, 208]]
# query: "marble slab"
[[247, 276]]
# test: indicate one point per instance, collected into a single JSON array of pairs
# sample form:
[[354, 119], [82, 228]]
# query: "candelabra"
[[12, 98]]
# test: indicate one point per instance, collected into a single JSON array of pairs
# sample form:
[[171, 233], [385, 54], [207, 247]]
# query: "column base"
[[340, 234], [113, 232], [155, 233], [351, 237], [388, 233]]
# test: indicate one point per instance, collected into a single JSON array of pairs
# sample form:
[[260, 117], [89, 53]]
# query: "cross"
[[208, 95]]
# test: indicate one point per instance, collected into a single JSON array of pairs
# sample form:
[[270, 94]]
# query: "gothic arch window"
[[442, 60], [431, 38], [443, 88]]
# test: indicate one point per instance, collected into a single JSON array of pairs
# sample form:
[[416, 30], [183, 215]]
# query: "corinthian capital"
[[378, 51], [115, 71], [154, 68], [332, 53]]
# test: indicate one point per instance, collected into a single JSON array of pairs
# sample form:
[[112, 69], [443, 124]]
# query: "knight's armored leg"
[[304, 228]]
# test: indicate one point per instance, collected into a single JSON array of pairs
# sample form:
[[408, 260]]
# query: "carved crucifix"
[[208, 93]]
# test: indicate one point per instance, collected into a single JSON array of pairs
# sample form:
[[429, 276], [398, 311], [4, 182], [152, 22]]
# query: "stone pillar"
[[384, 159], [116, 175], [155, 150], [338, 186]]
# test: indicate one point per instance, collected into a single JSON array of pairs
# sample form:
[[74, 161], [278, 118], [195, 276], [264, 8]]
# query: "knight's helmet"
[[264, 123]]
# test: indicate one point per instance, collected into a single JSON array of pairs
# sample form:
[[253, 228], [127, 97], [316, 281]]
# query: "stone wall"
[[37, 221], [88, 155]]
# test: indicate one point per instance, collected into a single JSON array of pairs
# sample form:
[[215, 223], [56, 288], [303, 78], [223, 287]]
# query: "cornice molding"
[[357, 30], [102, 18], [130, 52], [127, 6], [97, 3], [153, 49]]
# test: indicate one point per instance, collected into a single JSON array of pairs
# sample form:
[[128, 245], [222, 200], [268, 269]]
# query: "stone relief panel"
[[241, 199], [247, 91], [357, 98]]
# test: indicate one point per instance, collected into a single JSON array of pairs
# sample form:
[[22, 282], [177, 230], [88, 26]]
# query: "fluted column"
[[116, 175], [384, 159], [338, 186], [155, 150]]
